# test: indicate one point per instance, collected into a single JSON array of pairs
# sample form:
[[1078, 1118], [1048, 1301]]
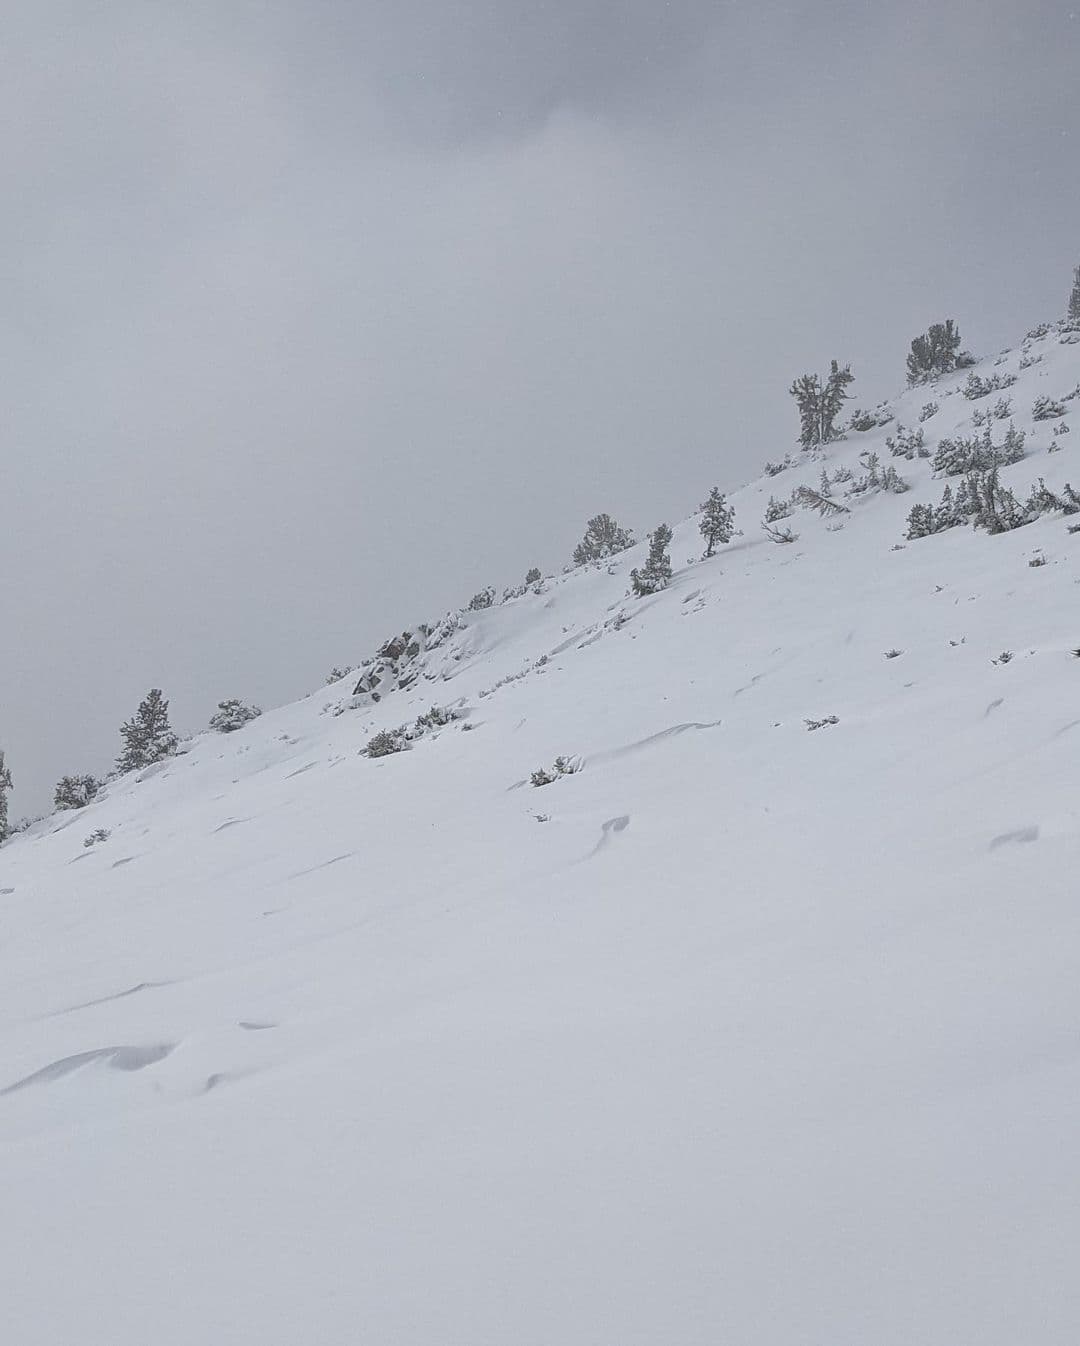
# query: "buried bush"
[[562, 766], [232, 715]]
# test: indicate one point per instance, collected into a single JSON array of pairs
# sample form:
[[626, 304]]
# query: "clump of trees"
[[232, 715], [603, 538], [936, 351], [148, 736], [717, 520], [533, 576], [820, 402], [75, 792], [954, 457], [981, 500], [484, 599], [977, 387], [655, 574], [1046, 408]]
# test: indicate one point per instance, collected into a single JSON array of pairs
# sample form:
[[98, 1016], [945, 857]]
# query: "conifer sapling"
[[656, 572], [717, 520]]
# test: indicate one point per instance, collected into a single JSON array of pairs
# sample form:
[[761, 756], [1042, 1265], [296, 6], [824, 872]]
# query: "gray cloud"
[[321, 316]]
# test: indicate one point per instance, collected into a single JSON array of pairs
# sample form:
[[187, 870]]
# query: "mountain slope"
[[742, 1032]]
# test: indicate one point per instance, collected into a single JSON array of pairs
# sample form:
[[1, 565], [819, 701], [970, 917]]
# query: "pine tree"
[[806, 391], [148, 737], [6, 784], [1074, 298], [820, 404], [717, 520], [655, 574], [533, 576], [833, 397], [777, 509], [75, 792], [603, 538], [937, 351]]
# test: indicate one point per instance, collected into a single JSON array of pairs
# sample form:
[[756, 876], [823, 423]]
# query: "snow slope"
[[742, 1033]]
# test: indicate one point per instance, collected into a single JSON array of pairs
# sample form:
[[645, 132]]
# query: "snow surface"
[[741, 1033]]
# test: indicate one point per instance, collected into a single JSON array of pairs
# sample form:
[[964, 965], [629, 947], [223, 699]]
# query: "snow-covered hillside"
[[742, 1033]]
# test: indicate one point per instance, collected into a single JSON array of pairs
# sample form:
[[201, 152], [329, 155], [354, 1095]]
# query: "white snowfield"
[[741, 1033]]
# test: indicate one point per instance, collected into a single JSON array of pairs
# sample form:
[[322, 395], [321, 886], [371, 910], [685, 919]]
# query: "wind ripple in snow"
[[1020, 834], [117, 1058], [609, 829]]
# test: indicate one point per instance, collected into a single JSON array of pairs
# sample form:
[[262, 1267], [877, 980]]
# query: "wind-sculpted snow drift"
[[764, 1036]]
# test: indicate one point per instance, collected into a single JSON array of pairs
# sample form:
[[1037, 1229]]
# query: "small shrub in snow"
[[774, 469], [717, 521], [484, 599], [1037, 561], [232, 715], [98, 834], [336, 674], [820, 724], [870, 420], [1002, 409], [777, 509], [386, 742], [603, 538], [1046, 408], [562, 766], [909, 444], [435, 718], [929, 409], [1003, 658], [893, 654], [655, 574], [75, 792], [1026, 361]]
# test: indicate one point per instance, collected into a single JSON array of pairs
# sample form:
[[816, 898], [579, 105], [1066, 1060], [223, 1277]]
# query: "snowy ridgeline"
[[694, 967]]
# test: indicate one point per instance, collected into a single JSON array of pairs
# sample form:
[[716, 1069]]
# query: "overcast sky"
[[321, 315]]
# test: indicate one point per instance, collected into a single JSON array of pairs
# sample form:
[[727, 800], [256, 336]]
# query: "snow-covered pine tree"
[[148, 736], [1074, 298], [533, 576], [717, 520], [806, 390], [820, 404], [75, 792], [920, 522], [655, 574], [5, 785], [603, 538], [833, 397], [935, 352]]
